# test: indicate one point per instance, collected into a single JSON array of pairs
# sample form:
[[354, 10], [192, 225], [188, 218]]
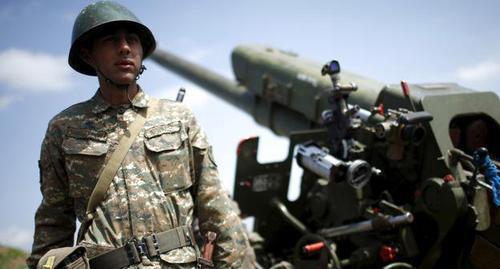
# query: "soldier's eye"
[[107, 38], [132, 38]]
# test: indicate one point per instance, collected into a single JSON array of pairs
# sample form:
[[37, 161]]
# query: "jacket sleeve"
[[215, 210], [55, 217]]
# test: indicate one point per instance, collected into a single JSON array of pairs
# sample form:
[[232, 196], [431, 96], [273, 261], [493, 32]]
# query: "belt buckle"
[[136, 250], [152, 245]]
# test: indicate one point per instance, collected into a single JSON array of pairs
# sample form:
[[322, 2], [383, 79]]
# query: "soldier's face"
[[116, 55]]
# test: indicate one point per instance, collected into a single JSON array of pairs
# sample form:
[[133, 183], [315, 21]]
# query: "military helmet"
[[97, 17]]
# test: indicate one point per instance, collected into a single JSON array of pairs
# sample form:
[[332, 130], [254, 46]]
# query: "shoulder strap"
[[113, 163]]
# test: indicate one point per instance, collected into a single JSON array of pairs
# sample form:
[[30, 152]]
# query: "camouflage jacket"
[[151, 192]]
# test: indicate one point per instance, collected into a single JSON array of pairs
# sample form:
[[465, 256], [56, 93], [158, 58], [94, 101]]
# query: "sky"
[[418, 41]]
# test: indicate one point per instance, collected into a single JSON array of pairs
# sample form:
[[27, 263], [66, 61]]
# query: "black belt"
[[150, 246]]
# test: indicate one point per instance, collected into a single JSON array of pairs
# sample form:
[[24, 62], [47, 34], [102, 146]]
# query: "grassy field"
[[11, 258]]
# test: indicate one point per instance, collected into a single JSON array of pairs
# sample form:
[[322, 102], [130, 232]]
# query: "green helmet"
[[101, 15]]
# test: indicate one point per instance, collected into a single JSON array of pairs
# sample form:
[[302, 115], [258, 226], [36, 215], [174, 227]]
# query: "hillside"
[[12, 258]]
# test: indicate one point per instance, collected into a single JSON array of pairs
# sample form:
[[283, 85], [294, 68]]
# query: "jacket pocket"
[[85, 152], [168, 151]]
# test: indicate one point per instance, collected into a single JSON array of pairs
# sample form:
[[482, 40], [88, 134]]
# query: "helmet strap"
[[120, 86], [141, 70]]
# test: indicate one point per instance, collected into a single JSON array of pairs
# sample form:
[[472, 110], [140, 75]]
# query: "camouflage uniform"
[[151, 192]]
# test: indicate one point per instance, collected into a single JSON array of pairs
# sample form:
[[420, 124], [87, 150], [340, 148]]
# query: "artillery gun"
[[388, 178]]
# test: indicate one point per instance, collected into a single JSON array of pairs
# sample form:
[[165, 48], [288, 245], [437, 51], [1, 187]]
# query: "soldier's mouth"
[[125, 64]]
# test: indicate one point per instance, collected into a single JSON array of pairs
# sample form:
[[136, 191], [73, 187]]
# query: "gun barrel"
[[222, 87], [280, 90], [281, 120]]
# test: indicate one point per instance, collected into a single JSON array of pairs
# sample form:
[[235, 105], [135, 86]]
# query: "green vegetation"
[[11, 258]]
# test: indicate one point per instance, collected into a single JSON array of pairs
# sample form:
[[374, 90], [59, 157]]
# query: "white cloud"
[[195, 96], [16, 237], [481, 72], [6, 100], [34, 71]]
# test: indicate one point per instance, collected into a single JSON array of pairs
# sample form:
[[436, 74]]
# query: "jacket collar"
[[141, 100]]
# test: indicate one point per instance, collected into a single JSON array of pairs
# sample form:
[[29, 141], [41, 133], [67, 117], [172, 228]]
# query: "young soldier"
[[166, 178]]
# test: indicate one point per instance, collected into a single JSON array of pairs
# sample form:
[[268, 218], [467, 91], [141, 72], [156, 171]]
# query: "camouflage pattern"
[[151, 192]]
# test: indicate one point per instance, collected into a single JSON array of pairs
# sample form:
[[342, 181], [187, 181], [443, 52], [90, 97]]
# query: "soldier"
[[166, 178]]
